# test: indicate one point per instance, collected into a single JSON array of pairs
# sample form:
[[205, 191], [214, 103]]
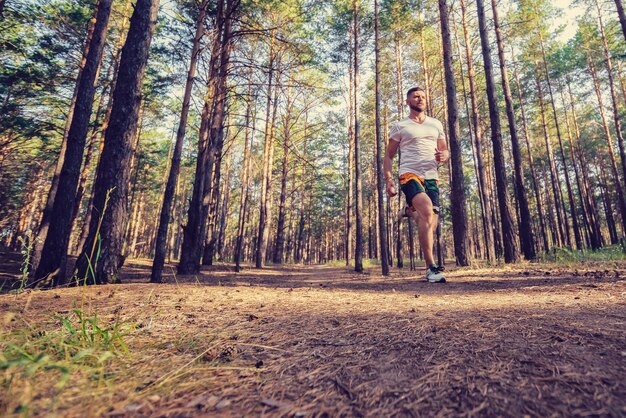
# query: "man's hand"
[[391, 188], [441, 156]]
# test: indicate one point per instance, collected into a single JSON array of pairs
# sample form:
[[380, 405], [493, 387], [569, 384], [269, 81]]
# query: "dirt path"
[[322, 341]]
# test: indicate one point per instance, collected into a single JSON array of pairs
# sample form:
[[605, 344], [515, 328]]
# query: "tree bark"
[[54, 252], [349, 194], [616, 116], [382, 224], [511, 254], [485, 202], [358, 192], [277, 257], [168, 196], [570, 197], [193, 233], [594, 220], [42, 229], [609, 143], [457, 192], [622, 16], [533, 172], [524, 221], [112, 178], [563, 227], [268, 152], [245, 175]]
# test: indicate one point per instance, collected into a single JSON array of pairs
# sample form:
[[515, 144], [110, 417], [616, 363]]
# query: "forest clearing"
[[299, 341], [243, 208]]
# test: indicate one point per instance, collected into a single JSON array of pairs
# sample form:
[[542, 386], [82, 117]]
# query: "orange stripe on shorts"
[[406, 177]]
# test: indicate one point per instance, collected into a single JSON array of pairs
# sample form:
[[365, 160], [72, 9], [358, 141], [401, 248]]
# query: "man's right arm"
[[390, 153]]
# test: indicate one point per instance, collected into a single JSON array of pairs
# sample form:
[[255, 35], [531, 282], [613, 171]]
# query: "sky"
[[570, 14]]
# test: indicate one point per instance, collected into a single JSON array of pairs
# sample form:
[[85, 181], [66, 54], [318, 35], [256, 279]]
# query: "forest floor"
[[535, 339]]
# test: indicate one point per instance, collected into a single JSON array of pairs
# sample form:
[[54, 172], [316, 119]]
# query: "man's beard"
[[416, 108]]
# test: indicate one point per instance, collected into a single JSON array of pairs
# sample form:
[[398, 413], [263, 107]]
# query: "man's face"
[[417, 101]]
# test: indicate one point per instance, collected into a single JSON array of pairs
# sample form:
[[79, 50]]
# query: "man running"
[[422, 143]]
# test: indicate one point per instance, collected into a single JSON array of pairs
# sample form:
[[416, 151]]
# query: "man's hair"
[[412, 89]]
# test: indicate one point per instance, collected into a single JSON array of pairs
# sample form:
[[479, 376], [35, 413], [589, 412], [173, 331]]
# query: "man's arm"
[[390, 153], [441, 153]]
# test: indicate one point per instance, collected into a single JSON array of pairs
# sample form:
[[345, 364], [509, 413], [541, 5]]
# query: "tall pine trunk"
[[616, 116], [267, 159], [358, 192], [485, 202], [457, 192], [594, 220], [193, 234], [277, 257], [609, 143], [106, 230], [511, 254], [622, 16], [563, 226], [382, 224], [168, 197], [54, 252], [533, 172], [42, 228], [524, 221], [249, 136], [570, 196]]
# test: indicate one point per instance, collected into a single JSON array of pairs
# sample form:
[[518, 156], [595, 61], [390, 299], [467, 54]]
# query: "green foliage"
[[74, 344]]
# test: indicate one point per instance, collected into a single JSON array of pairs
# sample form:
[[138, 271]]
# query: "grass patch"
[[42, 358]]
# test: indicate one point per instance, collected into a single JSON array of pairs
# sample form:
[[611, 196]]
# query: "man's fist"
[[391, 188], [441, 155]]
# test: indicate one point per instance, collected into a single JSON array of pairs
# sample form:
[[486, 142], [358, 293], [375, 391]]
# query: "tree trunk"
[[168, 196], [622, 16], [54, 252], [608, 209], [112, 178], [245, 174], [609, 142], [594, 220], [193, 234], [358, 198], [457, 192], [280, 226], [485, 202], [576, 175], [616, 111], [563, 227], [570, 196], [223, 215], [216, 137], [382, 224], [267, 161], [509, 240], [540, 211], [42, 230], [524, 221], [400, 93], [349, 195]]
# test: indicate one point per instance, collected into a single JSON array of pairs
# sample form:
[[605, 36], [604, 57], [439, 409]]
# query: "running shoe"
[[434, 274]]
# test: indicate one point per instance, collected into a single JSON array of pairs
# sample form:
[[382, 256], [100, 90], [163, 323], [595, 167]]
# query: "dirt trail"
[[323, 341]]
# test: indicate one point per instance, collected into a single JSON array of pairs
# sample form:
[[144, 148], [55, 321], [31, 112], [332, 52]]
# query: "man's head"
[[416, 99]]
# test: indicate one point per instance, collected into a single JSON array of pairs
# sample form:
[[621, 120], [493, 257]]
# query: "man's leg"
[[426, 223]]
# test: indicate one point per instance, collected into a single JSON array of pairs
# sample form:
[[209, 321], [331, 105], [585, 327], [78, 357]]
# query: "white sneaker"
[[434, 274]]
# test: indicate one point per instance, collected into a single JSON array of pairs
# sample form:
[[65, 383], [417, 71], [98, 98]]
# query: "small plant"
[[75, 346], [27, 244]]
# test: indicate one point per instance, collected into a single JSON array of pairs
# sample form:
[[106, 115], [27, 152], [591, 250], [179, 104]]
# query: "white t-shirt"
[[418, 142]]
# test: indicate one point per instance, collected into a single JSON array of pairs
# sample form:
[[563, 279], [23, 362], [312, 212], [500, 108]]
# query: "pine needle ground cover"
[[535, 340]]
